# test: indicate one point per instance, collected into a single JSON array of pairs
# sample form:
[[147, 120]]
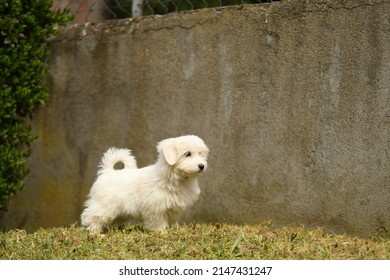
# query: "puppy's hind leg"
[[95, 228], [94, 224]]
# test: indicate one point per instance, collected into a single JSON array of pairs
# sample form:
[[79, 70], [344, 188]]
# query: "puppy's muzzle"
[[201, 167]]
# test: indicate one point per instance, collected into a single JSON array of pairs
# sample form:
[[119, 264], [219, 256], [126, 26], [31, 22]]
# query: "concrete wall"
[[292, 98]]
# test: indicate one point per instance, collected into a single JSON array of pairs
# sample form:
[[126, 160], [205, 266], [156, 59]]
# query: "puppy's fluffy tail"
[[115, 155]]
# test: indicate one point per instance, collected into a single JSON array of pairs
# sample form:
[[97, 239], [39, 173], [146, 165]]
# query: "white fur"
[[155, 194]]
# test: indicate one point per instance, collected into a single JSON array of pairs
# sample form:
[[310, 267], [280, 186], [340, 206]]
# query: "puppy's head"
[[186, 154]]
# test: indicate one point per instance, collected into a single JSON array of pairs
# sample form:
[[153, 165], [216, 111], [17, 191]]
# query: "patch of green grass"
[[191, 241]]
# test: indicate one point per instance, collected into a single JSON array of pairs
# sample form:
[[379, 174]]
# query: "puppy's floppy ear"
[[167, 148]]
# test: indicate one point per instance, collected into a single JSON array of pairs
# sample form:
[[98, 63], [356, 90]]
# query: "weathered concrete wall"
[[292, 98]]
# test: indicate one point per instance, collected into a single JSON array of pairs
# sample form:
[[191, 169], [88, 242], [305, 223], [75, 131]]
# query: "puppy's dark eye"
[[187, 154]]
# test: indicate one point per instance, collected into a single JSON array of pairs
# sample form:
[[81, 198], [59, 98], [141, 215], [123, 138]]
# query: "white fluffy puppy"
[[155, 194]]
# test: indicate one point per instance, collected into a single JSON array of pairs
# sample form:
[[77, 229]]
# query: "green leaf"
[[25, 27]]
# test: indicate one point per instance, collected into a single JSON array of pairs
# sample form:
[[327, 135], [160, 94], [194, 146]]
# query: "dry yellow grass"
[[191, 241]]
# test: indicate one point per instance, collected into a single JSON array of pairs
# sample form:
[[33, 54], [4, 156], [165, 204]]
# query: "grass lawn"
[[191, 241]]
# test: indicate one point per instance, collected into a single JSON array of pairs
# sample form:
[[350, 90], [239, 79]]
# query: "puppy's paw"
[[95, 229]]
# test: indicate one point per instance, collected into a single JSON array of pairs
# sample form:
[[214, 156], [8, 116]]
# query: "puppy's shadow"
[[129, 228]]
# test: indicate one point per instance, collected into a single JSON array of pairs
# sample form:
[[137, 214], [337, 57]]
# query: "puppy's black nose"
[[201, 166]]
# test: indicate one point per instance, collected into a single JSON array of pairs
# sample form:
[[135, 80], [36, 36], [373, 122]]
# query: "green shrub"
[[25, 27]]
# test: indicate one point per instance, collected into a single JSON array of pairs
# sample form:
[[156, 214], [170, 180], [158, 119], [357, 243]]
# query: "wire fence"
[[100, 10]]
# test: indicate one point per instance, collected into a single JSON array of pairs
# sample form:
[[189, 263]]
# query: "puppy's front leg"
[[157, 222]]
